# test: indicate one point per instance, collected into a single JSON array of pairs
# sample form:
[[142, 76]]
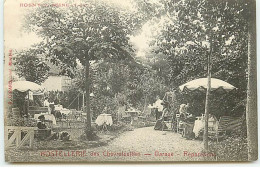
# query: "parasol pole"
[[206, 117], [83, 100]]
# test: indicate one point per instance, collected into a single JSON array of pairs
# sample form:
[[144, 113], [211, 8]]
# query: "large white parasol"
[[24, 86], [201, 85]]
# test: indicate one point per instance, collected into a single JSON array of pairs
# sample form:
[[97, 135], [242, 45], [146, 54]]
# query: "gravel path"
[[149, 143], [143, 144]]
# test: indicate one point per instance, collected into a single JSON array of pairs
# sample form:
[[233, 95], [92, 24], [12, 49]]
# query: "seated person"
[[43, 133], [40, 123], [63, 136], [105, 110], [58, 115], [166, 112], [184, 110], [160, 125]]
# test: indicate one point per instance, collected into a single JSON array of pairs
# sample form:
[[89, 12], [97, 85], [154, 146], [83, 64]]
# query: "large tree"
[[202, 35], [78, 35]]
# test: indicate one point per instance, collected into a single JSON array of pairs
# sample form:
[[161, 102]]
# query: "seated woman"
[[184, 111], [188, 127], [40, 123], [160, 125], [43, 132]]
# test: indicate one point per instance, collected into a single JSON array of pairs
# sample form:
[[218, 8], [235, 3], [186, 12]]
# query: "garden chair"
[[180, 124]]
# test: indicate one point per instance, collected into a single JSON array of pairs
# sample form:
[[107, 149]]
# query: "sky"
[[16, 38]]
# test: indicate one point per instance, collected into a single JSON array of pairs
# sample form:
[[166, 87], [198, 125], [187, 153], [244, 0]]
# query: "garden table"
[[104, 120]]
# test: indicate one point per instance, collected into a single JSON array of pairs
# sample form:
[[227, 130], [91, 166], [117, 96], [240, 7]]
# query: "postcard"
[[133, 81]]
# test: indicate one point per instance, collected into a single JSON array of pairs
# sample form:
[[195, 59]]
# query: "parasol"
[[24, 86], [201, 85]]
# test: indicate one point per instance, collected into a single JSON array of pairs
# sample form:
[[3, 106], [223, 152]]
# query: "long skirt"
[[188, 130], [160, 125]]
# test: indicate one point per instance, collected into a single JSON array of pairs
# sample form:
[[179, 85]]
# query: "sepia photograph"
[[133, 81]]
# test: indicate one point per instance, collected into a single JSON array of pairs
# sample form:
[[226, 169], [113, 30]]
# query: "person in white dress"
[[159, 107]]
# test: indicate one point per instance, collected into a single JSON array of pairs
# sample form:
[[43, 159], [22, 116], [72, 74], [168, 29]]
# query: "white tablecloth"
[[198, 126], [104, 119], [58, 107], [47, 117], [65, 111]]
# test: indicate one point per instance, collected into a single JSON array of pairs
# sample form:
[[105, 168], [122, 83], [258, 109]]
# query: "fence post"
[[18, 137]]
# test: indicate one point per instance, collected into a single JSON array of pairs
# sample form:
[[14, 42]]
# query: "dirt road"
[[143, 144]]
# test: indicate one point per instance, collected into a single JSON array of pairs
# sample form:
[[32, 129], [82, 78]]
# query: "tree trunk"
[[87, 86], [251, 108], [206, 117]]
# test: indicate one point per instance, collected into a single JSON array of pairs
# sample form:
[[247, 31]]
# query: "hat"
[[41, 117]]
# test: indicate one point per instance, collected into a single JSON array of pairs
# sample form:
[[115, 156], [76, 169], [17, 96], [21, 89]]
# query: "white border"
[[124, 168]]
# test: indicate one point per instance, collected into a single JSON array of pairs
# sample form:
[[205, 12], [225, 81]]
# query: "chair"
[[168, 122], [180, 124]]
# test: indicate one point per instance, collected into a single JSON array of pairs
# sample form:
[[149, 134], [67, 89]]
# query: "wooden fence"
[[18, 136]]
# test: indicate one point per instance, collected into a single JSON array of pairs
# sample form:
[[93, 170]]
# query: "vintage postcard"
[[131, 81]]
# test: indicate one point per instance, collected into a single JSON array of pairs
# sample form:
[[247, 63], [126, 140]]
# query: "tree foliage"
[[194, 26], [30, 65], [79, 34]]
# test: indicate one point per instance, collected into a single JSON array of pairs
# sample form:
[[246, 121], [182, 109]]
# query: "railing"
[[14, 134]]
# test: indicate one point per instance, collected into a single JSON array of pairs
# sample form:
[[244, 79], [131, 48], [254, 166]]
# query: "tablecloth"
[[58, 107], [65, 111], [104, 119], [198, 126]]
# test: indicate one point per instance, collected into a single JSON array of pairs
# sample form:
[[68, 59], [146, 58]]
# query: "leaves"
[[84, 34], [31, 65], [185, 39]]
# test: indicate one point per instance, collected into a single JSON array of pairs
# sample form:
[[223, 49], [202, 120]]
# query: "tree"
[[83, 34], [203, 32], [29, 64]]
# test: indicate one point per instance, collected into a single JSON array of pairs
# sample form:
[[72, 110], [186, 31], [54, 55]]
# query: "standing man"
[[158, 107], [47, 104]]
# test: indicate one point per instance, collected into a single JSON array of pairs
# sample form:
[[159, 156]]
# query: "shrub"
[[233, 148]]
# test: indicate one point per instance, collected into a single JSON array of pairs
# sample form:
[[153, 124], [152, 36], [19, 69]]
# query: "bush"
[[18, 121], [233, 148]]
